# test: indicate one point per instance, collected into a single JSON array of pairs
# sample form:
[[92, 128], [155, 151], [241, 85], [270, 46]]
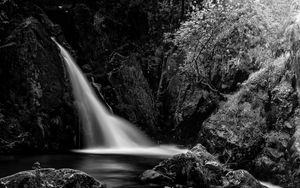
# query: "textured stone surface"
[[50, 177], [254, 128], [198, 169], [37, 111]]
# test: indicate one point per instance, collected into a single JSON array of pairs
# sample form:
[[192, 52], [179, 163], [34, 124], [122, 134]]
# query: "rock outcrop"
[[50, 177], [254, 128], [188, 104], [198, 168], [135, 100], [36, 107]]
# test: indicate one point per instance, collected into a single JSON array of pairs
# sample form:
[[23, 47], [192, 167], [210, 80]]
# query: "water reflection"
[[114, 170]]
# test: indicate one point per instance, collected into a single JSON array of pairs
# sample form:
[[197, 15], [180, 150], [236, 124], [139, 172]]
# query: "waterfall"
[[105, 132], [101, 128]]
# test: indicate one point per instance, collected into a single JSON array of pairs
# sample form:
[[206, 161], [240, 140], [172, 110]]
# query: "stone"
[[36, 166], [50, 177], [198, 169], [134, 98], [35, 90], [255, 126], [241, 179], [154, 177]]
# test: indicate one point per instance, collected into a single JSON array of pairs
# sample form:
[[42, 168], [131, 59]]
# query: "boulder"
[[50, 177], [197, 168], [241, 179]]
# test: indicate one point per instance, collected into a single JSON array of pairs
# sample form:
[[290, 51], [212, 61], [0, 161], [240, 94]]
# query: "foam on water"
[[269, 185], [162, 150]]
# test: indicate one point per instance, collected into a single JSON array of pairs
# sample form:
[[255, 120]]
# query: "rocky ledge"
[[50, 177], [198, 168]]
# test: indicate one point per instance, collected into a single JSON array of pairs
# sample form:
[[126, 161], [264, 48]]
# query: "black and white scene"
[[149, 93]]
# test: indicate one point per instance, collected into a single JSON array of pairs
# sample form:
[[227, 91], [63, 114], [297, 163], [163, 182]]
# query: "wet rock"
[[197, 168], [183, 169], [50, 177]]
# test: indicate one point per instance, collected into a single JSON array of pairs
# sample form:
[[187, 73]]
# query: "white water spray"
[[105, 132]]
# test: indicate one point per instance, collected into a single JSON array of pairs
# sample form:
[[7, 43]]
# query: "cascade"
[[105, 132]]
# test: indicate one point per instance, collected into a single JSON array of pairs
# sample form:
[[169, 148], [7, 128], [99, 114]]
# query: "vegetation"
[[233, 32]]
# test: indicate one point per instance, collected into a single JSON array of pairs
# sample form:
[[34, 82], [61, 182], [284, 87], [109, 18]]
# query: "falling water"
[[103, 131]]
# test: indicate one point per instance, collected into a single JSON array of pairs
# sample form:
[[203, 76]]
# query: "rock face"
[[198, 168], [36, 109], [50, 177], [254, 128], [134, 101], [188, 104]]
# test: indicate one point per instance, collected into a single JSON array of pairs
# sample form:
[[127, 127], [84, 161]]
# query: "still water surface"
[[114, 170]]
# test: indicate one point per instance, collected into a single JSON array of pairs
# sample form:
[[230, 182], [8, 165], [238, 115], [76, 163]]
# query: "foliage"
[[232, 32]]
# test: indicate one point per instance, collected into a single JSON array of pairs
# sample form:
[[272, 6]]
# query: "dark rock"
[[241, 179], [134, 97], [294, 152], [197, 168], [49, 177], [183, 169], [154, 177], [272, 157], [36, 166], [2, 185], [188, 104], [89, 42], [86, 68], [35, 99]]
